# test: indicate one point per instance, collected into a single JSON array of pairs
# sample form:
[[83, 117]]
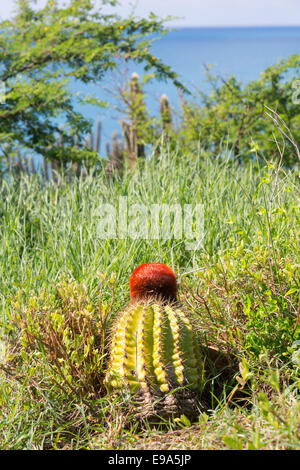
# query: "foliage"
[[241, 286], [240, 303], [163, 363], [135, 131]]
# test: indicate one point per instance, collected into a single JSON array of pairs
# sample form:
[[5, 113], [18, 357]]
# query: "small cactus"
[[166, 114], [154, 352]]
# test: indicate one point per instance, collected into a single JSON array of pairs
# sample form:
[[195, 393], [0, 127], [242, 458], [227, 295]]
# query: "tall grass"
[[48, 230], [242, 284]]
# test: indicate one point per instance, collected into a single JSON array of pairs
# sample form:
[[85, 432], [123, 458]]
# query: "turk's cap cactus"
[[154, 352], [153, 348], [153, 280]]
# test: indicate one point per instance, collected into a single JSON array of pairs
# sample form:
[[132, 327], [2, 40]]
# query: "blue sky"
[[207, 12]]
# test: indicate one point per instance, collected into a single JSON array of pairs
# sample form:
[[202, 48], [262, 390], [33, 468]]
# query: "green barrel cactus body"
[[153, 352]]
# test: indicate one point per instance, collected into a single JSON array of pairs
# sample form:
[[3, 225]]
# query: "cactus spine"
[[154, 352]]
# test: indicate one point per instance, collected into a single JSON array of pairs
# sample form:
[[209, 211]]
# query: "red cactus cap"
[[153, 280]]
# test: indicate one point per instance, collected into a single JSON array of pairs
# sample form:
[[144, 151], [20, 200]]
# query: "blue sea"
[[243, 52]]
